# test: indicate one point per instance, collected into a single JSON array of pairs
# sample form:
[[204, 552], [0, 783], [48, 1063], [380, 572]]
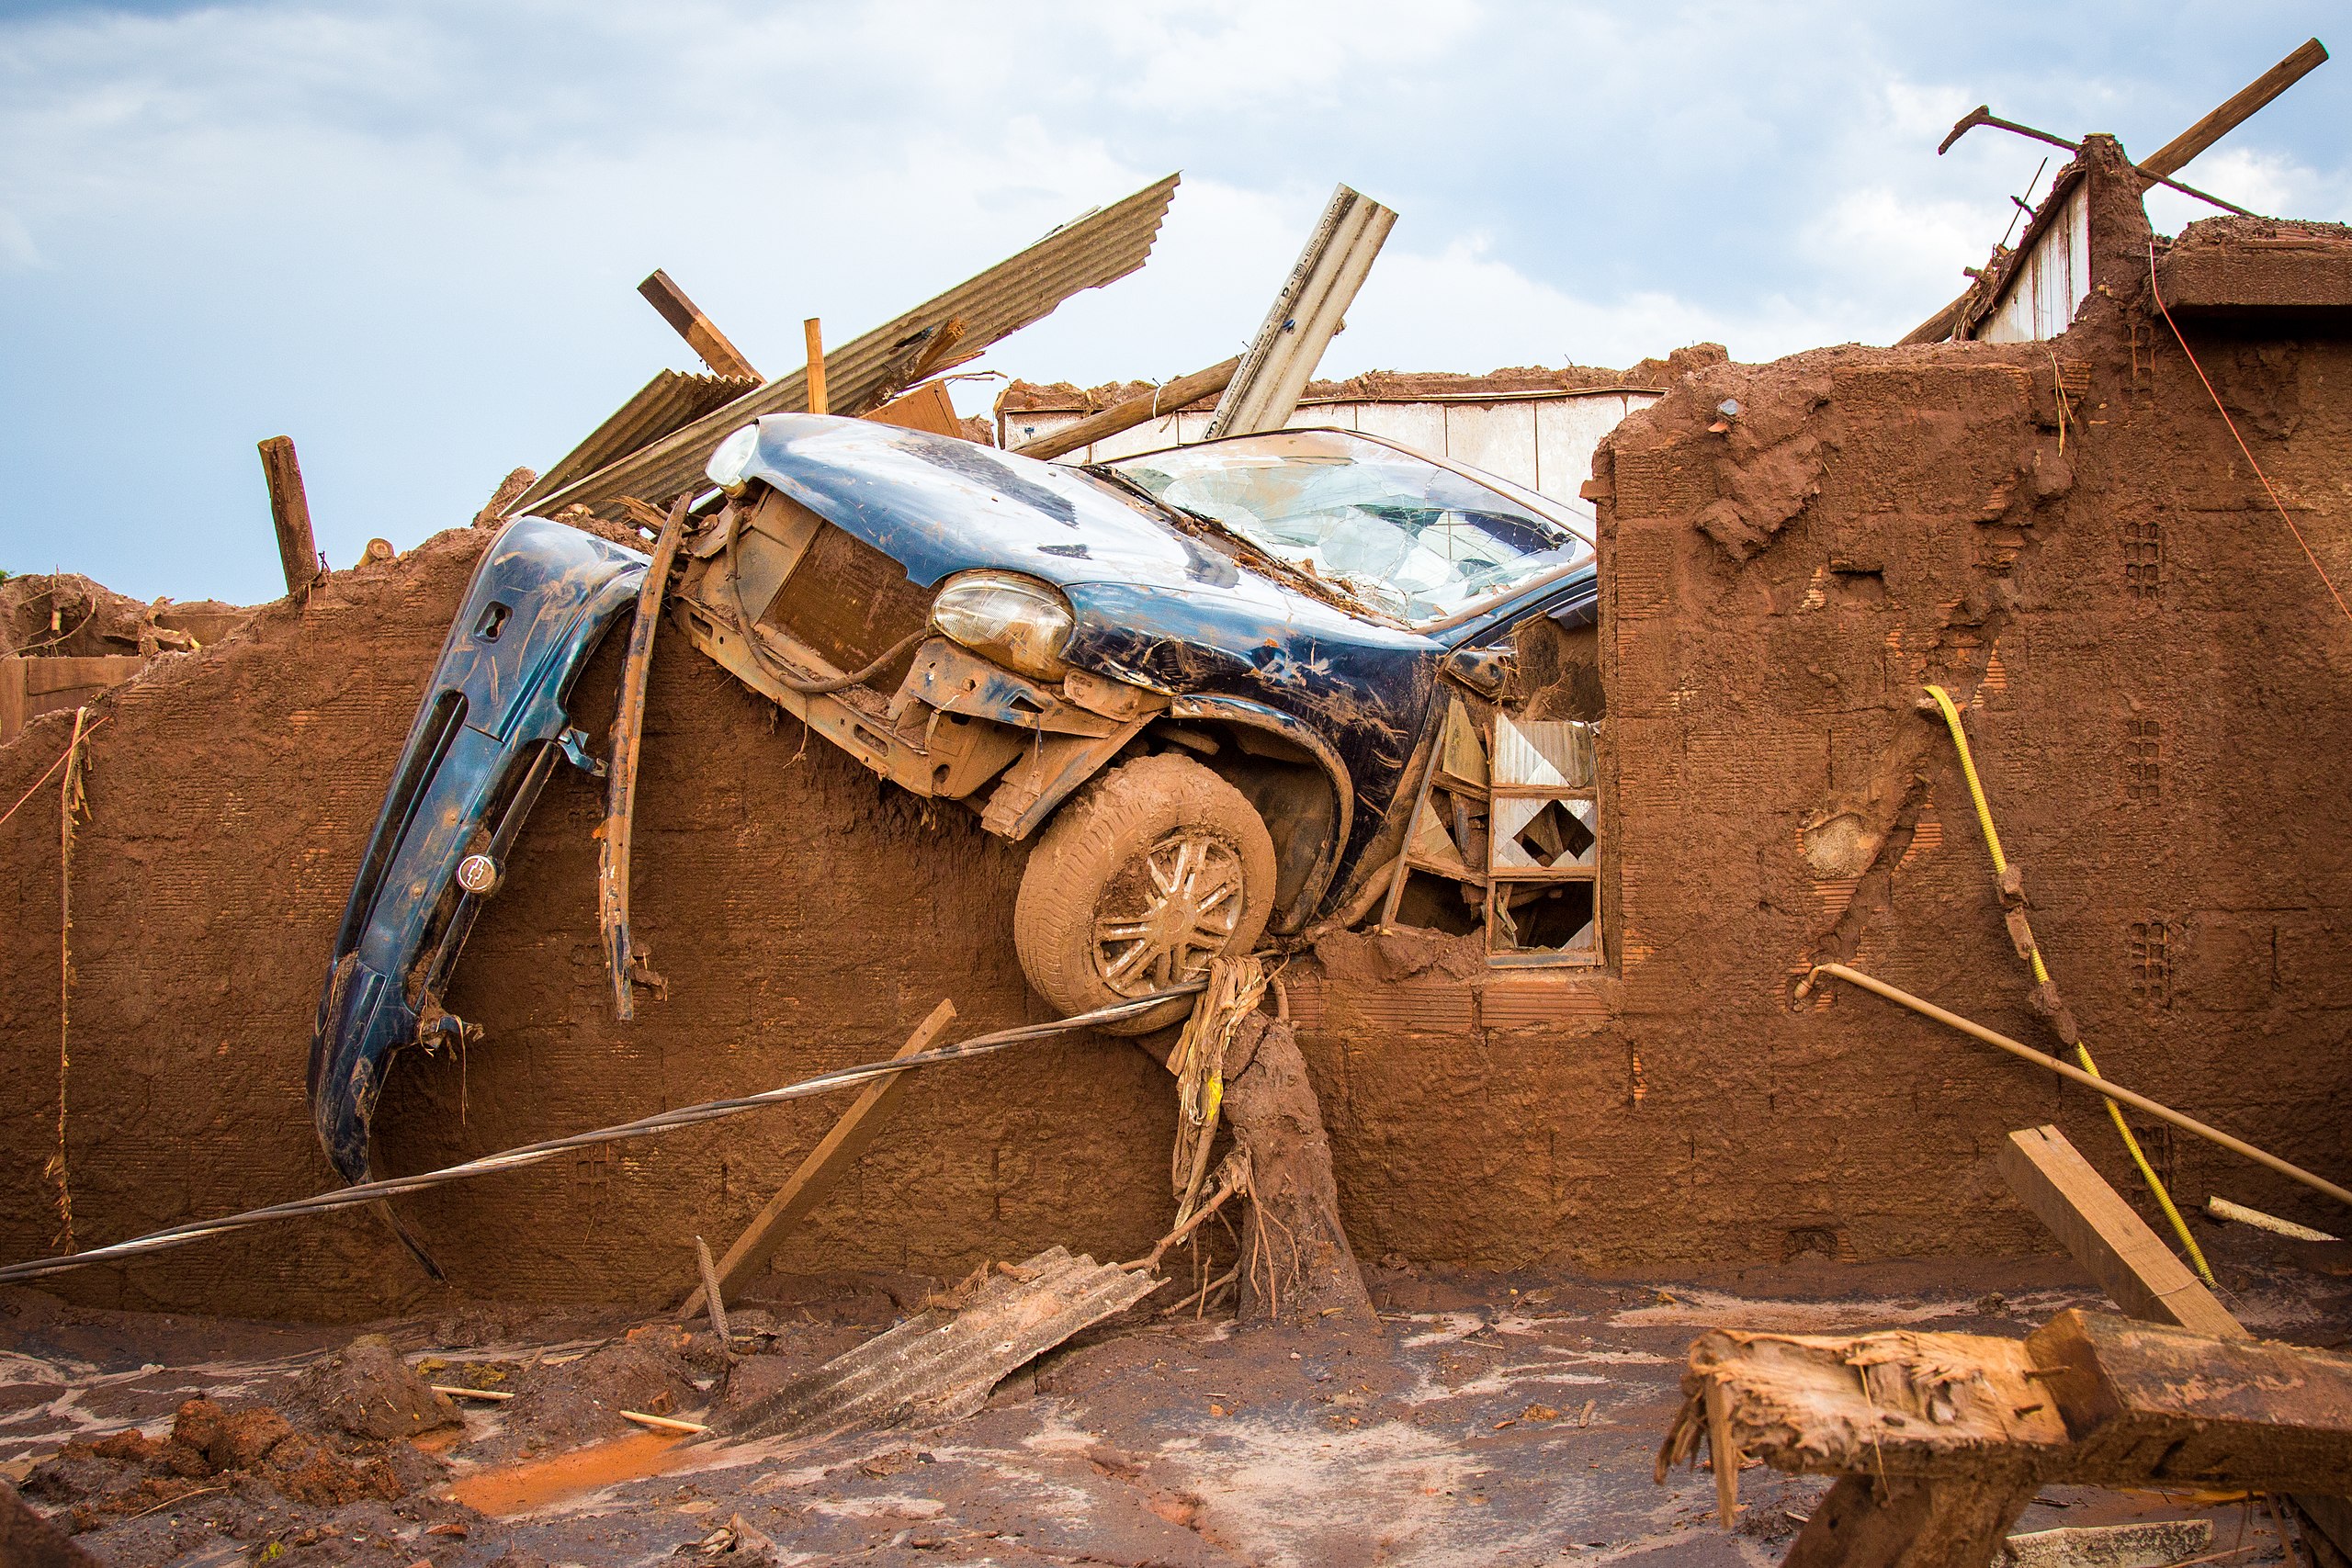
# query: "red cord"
[[2224, 412]]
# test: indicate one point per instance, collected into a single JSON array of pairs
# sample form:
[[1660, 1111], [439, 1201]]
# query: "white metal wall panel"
[[2052, 281], [1545, 443], [1498, 437], [1566, 431], [1420, 425]]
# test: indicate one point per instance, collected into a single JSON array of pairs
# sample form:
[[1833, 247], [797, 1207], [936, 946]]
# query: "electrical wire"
[[532, 1154], [2267, 488], [2041, 977]]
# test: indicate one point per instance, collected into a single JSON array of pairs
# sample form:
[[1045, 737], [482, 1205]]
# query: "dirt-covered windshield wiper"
[[1336, 595]]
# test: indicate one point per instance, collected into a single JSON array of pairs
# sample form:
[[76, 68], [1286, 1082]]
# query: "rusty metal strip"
[[620, 783]]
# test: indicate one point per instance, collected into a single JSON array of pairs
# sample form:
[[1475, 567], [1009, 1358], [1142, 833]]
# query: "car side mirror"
[[1486, 670]]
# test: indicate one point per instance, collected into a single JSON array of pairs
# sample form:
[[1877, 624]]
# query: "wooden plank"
[[813, 330], [2148, 1402], [290, 513], [2106, 1235], [12, 696], [834, 1154], [1141, 409], [702, 333], [2174, 155], [925, 408]]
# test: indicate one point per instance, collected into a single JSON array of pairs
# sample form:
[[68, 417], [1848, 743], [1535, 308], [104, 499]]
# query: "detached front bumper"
[[491, 730]]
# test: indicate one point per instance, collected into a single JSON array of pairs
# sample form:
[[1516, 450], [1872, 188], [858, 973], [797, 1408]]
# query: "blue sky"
[[409, 235]]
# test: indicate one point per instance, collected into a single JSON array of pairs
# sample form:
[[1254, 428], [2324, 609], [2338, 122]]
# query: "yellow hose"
[[2041, 977]]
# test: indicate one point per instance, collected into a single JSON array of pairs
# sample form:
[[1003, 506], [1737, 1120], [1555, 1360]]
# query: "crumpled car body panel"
[[491, 727]]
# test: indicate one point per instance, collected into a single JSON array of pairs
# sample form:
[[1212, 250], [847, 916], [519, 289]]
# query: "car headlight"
[[733, 459], [1017, 621]]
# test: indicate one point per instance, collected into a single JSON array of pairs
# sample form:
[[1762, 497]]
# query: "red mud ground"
[[1455, 1434]]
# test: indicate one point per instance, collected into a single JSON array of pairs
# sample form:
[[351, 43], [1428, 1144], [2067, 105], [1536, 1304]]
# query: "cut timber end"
[[2107, 1236], [290, 513], [702, 333]]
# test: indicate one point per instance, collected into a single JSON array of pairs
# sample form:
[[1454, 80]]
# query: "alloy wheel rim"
[[1168, 912]]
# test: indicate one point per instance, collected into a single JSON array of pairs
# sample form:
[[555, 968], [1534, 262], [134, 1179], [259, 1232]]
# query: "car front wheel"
[[1150, 872]]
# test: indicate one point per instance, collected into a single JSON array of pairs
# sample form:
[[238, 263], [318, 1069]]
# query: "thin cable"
[[52, 771], [2041, 977], [531, 1154], [2267, 488]]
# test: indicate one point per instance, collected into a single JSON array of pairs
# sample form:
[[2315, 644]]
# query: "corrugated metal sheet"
[[939, 1366], [670, 401], [1103, 247], [1542, 440]]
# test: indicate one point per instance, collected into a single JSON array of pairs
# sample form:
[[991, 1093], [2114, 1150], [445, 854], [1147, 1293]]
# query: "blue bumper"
[[493, 726]]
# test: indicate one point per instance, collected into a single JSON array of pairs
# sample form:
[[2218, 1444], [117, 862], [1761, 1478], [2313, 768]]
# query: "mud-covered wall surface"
[[2062, 534], [2156, 684], [805, 915]]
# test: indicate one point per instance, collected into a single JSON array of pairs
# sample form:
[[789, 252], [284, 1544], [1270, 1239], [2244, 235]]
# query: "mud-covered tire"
[[1142, 849]]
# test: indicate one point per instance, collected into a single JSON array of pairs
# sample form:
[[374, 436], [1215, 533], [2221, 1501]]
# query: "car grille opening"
[[849, 602]]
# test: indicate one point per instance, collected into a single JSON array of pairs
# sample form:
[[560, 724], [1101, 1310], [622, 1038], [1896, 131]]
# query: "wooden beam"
[[2107, 1236], [700, 332], [2146, 1403], [1307, 313], [2174, 155], [290, 512], [1140, 410], [813, 330], [1901, 1523], [833, 1155]]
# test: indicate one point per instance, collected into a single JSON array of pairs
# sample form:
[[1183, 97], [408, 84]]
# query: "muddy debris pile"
[[348, 1434]]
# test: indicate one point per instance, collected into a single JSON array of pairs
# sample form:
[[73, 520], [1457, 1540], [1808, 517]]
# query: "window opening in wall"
[[1506, 840]]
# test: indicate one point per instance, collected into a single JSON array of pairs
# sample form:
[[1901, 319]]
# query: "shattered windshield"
[[1402, 533]]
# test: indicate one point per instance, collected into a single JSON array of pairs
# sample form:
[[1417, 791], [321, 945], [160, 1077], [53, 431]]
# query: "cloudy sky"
[[409, 235]]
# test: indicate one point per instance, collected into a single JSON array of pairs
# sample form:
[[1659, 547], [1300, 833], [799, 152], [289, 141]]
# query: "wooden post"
[[700, 332], [836, 1152], [1135, 410], [2174, 155], [289, 511], [814, 330], [2106, 1236]]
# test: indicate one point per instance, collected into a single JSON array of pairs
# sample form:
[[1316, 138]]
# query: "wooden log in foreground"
[[1141, 409], [1942, 1438]]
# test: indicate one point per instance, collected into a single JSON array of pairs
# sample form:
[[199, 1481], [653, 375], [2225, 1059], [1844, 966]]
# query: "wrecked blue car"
[[1225, 690]]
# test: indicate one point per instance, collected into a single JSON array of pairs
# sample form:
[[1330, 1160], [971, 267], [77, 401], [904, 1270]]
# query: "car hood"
[[938, 505]]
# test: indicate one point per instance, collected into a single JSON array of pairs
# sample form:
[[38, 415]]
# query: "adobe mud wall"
[[806, 915], [2157, 686], [2155, 682]]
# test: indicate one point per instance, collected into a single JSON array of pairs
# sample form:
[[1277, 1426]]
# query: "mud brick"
[[1538, 1001], [1409, 1007], [1642, 568], [1760, 765], [1665, 481]]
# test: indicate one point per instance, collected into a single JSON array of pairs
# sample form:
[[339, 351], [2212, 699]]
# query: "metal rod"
[[1927, 1008], [531, 1154], [1982, 115]]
